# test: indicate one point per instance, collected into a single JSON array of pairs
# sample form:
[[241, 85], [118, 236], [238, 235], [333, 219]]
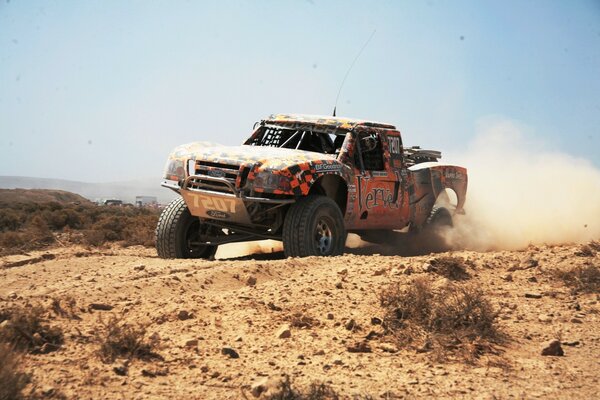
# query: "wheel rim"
[[323, 236], [192, 237]]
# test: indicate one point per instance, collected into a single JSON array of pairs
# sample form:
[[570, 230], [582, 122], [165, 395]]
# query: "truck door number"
[[394, 144], [216, 203]]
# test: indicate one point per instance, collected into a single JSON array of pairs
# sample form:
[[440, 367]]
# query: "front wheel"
[[314, 226], [178, 233]]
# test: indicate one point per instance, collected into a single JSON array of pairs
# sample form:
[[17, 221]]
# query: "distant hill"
[[40, 196], [126, 190]]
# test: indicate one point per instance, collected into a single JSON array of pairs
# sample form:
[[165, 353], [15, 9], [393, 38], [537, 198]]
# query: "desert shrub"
[[120, 339], [316, 391], [140, 230], [93, 237], [65, 307], [112, 226], [26, 226], [453, 268], [11, 220], [12, 240], [12, 379], [53, 219], [585, 279], [451, 319], [26, 329], [301, 320]]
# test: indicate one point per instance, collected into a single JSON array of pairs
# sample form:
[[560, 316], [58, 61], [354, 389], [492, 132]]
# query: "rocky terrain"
[[234, 327]]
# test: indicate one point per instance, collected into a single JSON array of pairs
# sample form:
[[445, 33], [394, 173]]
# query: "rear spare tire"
[[314, 226], [177, 233]]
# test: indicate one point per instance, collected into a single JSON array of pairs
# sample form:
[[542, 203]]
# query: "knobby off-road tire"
[[439, 218], [435, 230], [175, 230], [314, 226]]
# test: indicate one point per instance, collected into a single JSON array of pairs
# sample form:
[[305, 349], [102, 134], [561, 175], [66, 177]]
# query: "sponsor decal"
[[379, 173], [216, 173], [211, 203], [450, 174], [351, 188], [327, 167], [217, 214], [380, 197]]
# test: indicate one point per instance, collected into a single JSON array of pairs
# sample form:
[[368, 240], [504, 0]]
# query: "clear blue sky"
[[103, 90]]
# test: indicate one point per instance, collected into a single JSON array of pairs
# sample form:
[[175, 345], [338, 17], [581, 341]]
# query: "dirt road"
[[220, 326]]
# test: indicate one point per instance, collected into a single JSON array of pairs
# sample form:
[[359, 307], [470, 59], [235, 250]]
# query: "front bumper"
[[226, 206]]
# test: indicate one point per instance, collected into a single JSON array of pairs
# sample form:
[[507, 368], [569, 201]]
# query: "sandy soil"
[[241, 303]]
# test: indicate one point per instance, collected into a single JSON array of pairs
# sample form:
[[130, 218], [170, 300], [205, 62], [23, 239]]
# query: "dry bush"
[[453, 320], [585, 279], [301, 320], [453, 268], [65, 307], [12, 380], [586, 251], [140, 231], [26, 329], [121, 339], [30, 225], [93, 237], [316, 391]]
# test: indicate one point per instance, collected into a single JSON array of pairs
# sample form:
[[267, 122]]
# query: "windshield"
[[299, 139]]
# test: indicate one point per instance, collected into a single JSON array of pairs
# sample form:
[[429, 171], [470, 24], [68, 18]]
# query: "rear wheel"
[[436, 229], [314, 226], [178, 233], [439, 218]]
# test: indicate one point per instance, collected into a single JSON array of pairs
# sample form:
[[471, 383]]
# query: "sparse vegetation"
[[12, 379], [588, 250], [65, 307], [585, 279], [121, 339], [316, 391], [25, 328], [452, 319], [30, 224], [453, 268], [301, 320]]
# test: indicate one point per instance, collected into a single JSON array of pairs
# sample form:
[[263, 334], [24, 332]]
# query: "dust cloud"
[[235, 250], [520, 194]]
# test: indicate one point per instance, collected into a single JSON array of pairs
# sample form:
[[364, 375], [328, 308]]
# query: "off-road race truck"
[[307, 181]]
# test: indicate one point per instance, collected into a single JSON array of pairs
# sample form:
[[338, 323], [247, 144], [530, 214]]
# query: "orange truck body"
[[376, 181]]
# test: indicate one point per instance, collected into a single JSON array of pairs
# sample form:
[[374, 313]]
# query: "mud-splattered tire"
[[314, 226], [175, 231]]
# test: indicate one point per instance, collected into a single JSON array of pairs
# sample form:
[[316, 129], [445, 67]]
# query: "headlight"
[[175, 170], [270, 181]]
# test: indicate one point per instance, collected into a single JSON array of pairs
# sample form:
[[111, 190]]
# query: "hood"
[[269, 157]]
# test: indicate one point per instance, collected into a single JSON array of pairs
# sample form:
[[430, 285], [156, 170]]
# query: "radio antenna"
[[350, 69]]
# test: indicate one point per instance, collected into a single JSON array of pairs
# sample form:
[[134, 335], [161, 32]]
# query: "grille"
[[218, 170]]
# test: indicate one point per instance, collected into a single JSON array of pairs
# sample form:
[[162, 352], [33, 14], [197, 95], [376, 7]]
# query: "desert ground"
[[234, 327]]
